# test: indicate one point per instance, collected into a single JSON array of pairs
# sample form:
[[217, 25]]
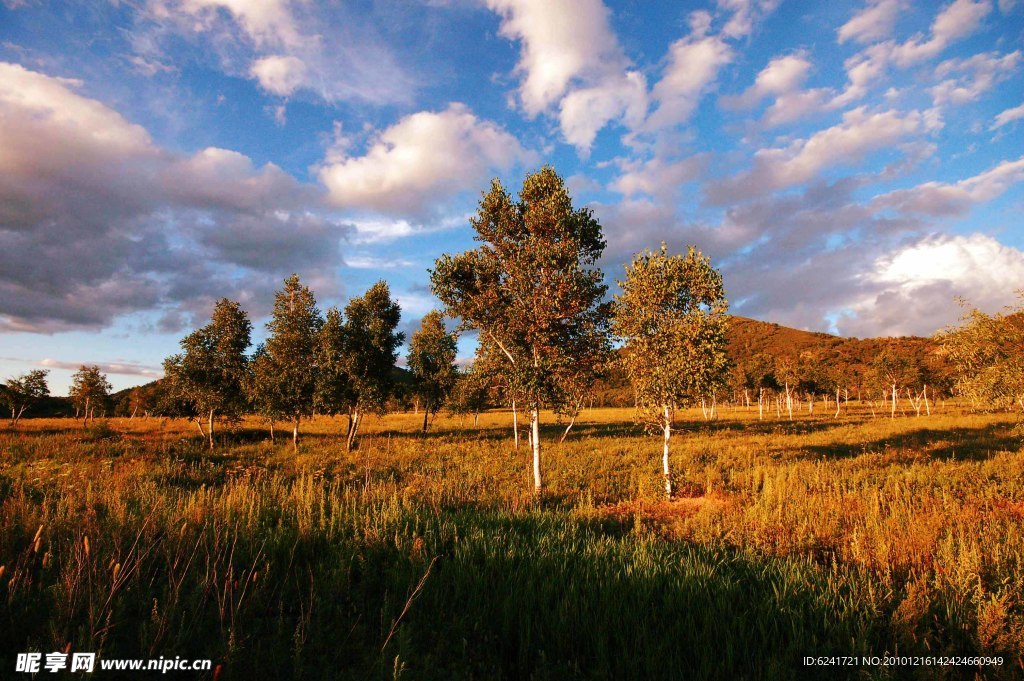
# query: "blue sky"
[[851, 167]]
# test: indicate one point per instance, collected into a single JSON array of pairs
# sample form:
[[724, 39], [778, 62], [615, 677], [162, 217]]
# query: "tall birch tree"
[[432, 363], [210, 372], [671, 316], [290, 351], [532, 289]]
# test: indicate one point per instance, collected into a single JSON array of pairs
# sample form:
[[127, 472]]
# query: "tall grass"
[[427, 557]]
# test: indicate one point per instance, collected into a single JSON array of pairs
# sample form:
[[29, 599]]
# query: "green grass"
[[426, 557]]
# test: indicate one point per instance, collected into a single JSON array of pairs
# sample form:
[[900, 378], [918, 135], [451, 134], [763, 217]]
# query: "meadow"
[[428, 557]]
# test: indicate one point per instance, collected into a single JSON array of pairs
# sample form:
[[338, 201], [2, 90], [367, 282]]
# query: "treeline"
[[549, 338]]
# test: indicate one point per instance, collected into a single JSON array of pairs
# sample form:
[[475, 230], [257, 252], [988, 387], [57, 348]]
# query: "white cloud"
[[119, 368], [693, 65], [1008, 116], [955, 21], [266, 22], [782, 75], [285, 45], [912, 289], [941, 199], [859, 134], [872, 23], [420, 161], [745, 13], [279, 75], [572, 60], [972, 77], [866, 68], [657, 177]]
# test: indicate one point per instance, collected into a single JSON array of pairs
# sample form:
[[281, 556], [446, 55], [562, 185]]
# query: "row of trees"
[[341, 363], [90, 390], [534, 294]]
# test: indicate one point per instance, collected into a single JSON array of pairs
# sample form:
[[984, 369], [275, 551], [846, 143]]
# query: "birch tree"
[[671, 317], [532, 289], [210, 372], [24, 391], [289, 367], [432, 363], [987, 353], [89, 389], [370, 341]]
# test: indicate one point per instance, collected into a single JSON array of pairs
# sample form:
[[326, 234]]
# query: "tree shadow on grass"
[[975, 444]]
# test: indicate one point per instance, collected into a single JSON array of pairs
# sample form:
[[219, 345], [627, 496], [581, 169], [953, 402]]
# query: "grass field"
[[427, 557]]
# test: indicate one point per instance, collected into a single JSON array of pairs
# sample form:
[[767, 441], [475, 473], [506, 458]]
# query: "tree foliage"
[[210, 373], [431, 360], [532, 289], [671, 318], [23, 391], [89, 390], [987, 353], [287, 370]]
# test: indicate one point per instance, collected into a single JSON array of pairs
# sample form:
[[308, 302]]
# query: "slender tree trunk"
[[199, 424], [567, 429], [789, 402], [535, 443], [893, 415], [760, 405], [927, 408], [211, 429], [354, 429], [134, 412], [515, 424], [85, 414], [273, 438], [295, 435], [426, 412], [837, 403], [667, 427]]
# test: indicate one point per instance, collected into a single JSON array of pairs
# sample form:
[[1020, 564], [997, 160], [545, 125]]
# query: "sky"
[[851, 168]]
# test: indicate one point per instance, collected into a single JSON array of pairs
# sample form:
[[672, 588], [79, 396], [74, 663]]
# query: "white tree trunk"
[[211, 429], [667, 425], [535, 443], [894, 397], [760, 405], [515, 424]]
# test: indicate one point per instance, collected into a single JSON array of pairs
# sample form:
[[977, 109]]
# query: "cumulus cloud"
[[98, 221], [912, 288], [693, 65], [281, 75], [859, 134], [874, 22], [422, 157], [571, 59], [782, 75]]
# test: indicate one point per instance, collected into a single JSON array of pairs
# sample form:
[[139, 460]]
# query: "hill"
[[761, 351]]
